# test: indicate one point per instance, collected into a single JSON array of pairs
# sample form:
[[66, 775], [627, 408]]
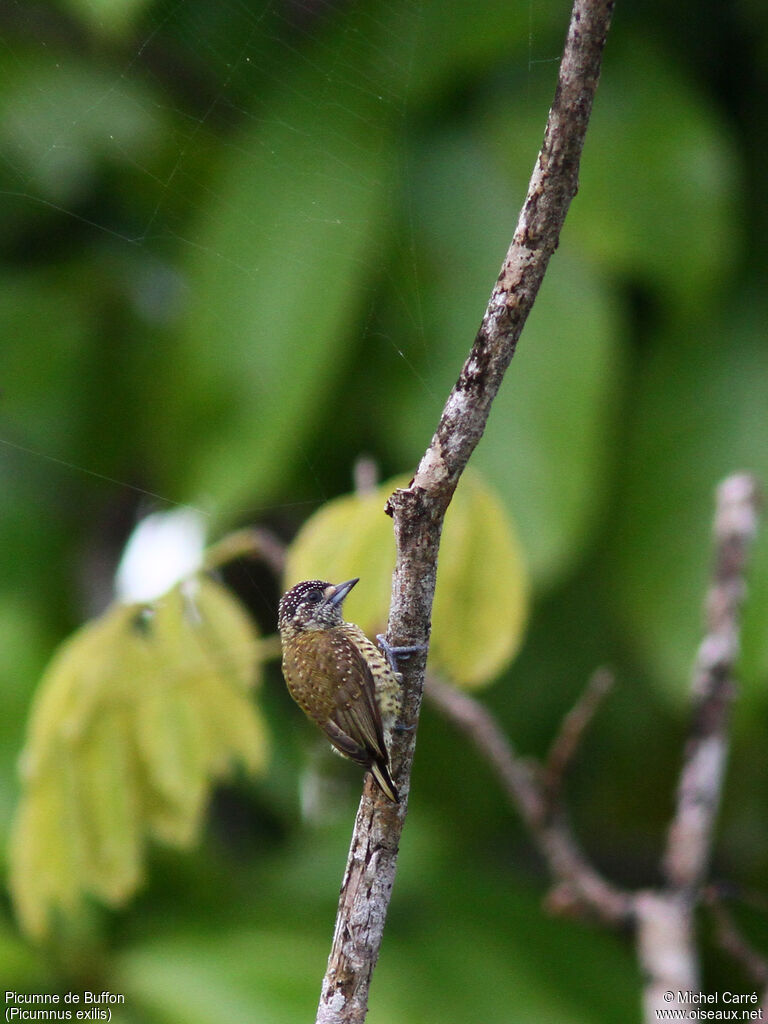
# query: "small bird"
[[338, 677]]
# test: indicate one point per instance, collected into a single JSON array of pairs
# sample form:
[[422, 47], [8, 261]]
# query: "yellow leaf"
[[171, 745], [138, 714], [482, 591], [350, 536], [195, 717], [44, 874], [226, 636], [481, 597], [169, 729], [77, 679], [107, 808]]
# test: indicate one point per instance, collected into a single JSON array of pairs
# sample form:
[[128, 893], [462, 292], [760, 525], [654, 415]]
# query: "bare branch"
[[698, 795], [250, 542], [665, 950], [418, 510], [578, 886], [666, 942], [731, 941], [520, 781], [574, 725]]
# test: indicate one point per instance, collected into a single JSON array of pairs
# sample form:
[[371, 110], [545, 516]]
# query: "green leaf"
[[138, 714], [61, 119], [658, 174], [437, 46], [275, 282], [174, 756], [80, 676], [282, 260], [481, 597]]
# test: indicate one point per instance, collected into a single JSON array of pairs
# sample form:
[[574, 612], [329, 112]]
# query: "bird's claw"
[[393, 653]]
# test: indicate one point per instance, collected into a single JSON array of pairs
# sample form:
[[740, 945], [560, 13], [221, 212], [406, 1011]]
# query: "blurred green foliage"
[[242, 245]]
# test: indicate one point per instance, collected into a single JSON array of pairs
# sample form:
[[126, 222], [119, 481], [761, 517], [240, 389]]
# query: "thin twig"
[[568, 739], [250, 542], [578, 885], [732, 942], [666, 940], [418, 510], [698, 795], [521, 783]]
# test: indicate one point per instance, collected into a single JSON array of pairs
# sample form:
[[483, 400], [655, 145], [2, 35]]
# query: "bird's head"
[[312, 605]]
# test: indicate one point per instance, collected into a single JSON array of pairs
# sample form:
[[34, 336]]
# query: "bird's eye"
[[314, 596]]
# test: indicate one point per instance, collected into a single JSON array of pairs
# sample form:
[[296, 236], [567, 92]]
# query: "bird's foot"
[[393, 653]]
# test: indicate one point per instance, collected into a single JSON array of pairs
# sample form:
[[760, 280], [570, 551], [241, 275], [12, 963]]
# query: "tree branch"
[[568, 739], [250, 542], [663, 918], [418, 510], [666, 941], [578, 886], [698, 795], [732, 942]]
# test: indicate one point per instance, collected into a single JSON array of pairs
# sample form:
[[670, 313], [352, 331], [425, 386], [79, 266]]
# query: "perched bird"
[[338, 677]]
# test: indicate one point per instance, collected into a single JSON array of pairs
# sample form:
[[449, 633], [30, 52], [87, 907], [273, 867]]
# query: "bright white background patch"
[[162, 550]]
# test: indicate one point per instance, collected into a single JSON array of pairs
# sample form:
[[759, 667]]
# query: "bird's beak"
[[341, 590]]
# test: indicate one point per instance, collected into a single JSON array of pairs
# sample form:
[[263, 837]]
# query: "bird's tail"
[[381, 774]]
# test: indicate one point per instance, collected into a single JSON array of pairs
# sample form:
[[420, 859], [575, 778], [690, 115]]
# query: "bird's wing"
[[334, 685], [353, 724], [357, 713]]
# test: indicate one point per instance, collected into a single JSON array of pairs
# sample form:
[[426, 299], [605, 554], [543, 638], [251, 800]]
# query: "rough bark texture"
[[418, 510], [665, 950]]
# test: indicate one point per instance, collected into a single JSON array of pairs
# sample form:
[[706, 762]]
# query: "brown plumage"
[[338, 677]]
